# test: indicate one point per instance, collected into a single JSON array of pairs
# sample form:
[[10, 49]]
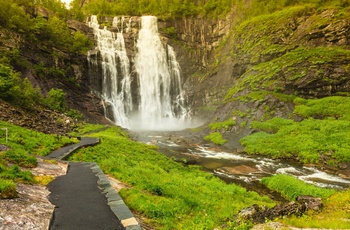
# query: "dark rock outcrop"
[[258, 214]]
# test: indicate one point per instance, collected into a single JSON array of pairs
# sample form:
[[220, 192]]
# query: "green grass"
[[32, 142], [7, 189], [298, 64], [216, 138], [83, 128], [24, 144], [290, 187], [168, 194], [336, 107], [309, 139], [222, 125]]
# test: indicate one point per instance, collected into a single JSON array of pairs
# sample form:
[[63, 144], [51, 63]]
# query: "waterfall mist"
[[155, 83]]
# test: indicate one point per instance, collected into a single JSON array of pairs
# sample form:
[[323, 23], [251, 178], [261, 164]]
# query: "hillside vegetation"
[[286, 96], [289, 82], [168, 194], [18, 151]]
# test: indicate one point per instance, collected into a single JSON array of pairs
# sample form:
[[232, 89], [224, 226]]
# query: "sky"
[[66, 2]]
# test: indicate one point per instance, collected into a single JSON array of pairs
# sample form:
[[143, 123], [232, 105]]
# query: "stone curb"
[[114, 200]]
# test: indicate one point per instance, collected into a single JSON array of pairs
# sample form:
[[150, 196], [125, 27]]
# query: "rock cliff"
[[253, 69], [235, 68]]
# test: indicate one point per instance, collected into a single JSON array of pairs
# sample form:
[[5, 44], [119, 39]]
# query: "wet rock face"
[[258, 214]]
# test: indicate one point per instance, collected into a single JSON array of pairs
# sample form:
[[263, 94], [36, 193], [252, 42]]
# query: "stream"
[[233, 167]]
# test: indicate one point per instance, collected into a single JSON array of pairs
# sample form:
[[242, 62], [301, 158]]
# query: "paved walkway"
[[84, 198]]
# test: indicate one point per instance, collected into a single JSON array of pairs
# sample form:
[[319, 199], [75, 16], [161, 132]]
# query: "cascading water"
[[115, 65], [160, 102], [161, 97]]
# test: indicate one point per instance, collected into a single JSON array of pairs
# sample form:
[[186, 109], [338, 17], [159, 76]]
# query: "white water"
[[261, 167], [161, 102], [116, 91]]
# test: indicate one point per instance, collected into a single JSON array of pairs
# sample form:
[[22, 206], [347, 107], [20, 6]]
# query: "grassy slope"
[[324, 132], [170, 195], [24, 144]]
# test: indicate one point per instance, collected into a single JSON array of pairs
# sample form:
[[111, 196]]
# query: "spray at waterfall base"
[[145, 93]]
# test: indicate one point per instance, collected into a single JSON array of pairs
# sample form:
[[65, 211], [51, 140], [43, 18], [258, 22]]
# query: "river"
[[239, 168]]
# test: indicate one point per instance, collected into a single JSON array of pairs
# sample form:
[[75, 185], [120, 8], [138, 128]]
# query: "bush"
[[216, 138], [291, 187], [14, 173], [7, 81], [55, 100], [7, 189]]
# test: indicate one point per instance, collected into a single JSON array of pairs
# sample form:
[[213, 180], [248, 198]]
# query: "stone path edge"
[[114, 200]]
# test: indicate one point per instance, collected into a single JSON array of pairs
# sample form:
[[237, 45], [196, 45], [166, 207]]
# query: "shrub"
[[55, 100], [291, 187], [7, 189], [216, 138], [14, 173]]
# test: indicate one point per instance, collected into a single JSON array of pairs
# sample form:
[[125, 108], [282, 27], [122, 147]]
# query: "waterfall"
[[160, 102], [115, 65]]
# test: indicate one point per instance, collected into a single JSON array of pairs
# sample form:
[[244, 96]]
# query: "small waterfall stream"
[[159, 102]]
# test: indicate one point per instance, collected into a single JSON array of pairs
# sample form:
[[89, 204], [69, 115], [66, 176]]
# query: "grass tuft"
[[290, 187]]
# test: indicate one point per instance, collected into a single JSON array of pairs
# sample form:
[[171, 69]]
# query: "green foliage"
[[23, 143], [81, 44], [55, 100], [43, 32], [23, 140], [336, 107], [7, 80], [14, 173], [7, 189], [16, 90], [291, 187], [216, 138], [308, 139], [170, 195], [185, 8], [272, 75], [273, 125], [222, 125], [21, 158]]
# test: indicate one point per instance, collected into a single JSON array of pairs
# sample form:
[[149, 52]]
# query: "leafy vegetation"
[[53, 31], [290, 187], [216, 138], [7, 189], [24, 144], [272, 75], [159, 191], [184, 8], [308, 139], [222, 125], [14, 90]]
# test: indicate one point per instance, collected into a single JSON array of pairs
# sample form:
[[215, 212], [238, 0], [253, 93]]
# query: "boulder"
[[258, 214]]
